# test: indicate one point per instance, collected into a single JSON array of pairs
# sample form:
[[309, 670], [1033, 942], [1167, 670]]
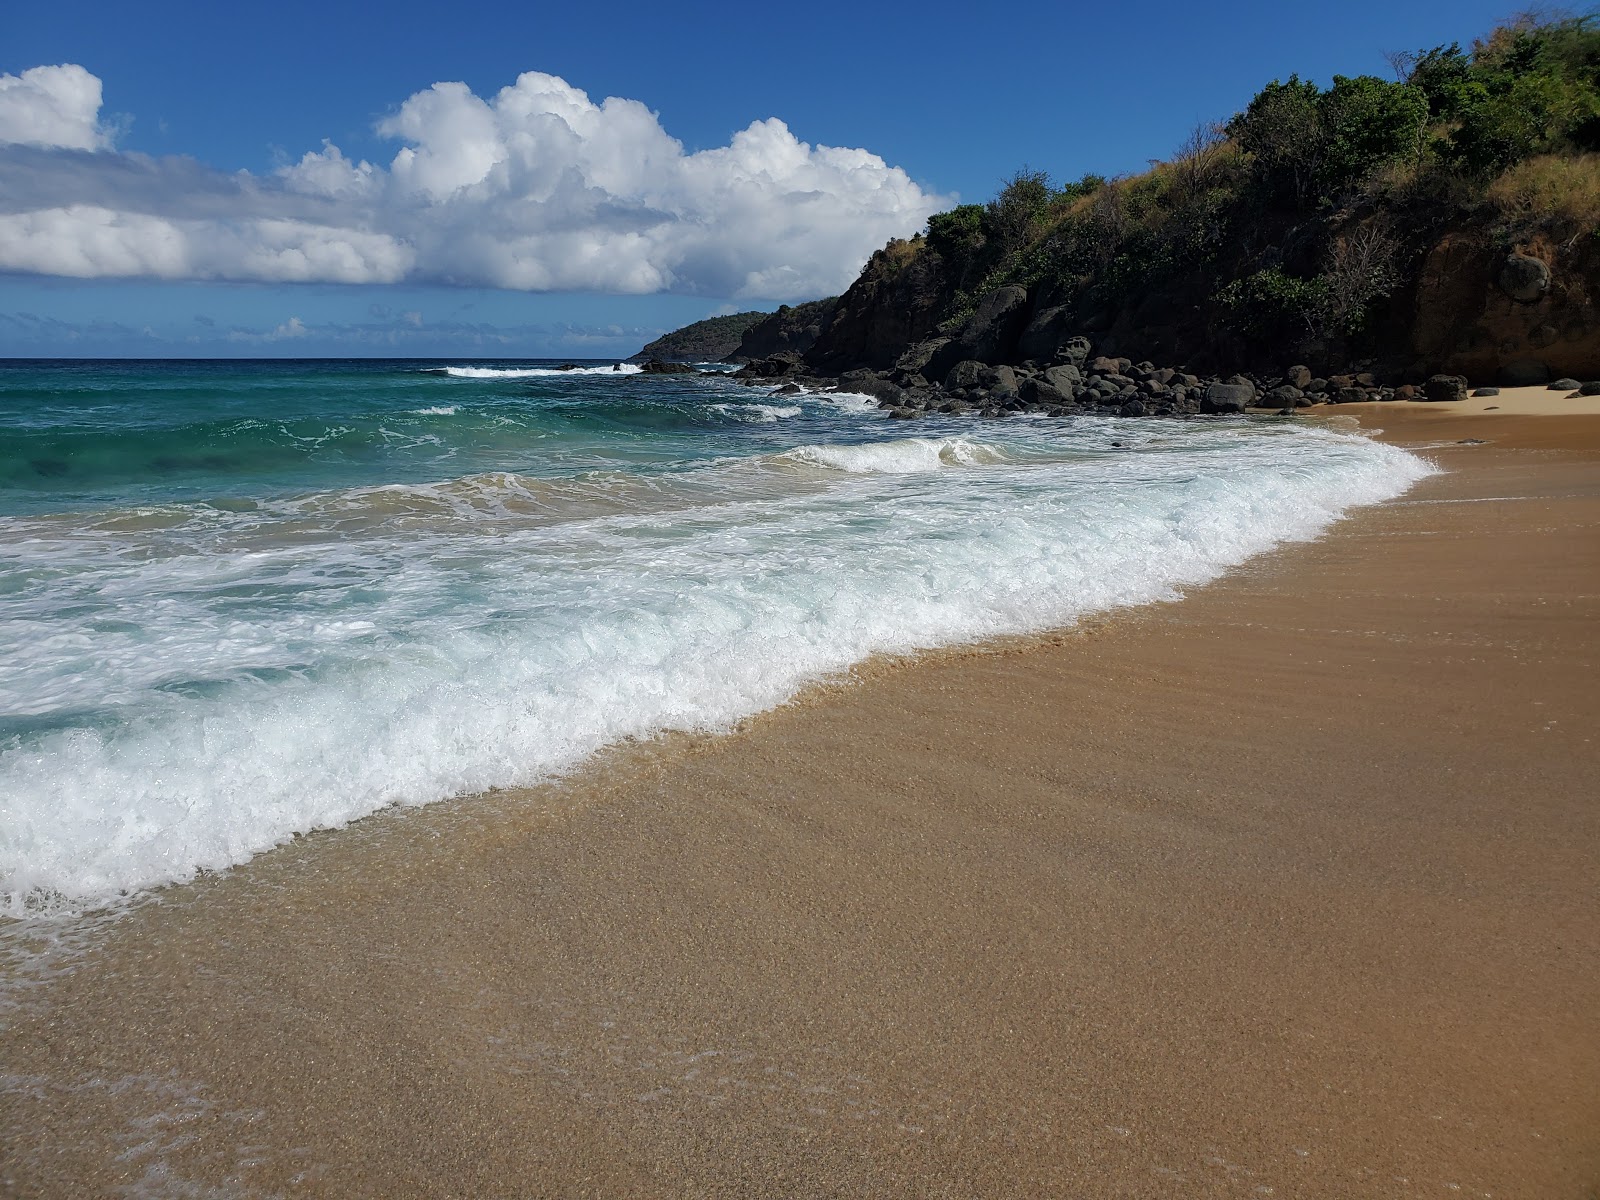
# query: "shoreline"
[[1079, 912]]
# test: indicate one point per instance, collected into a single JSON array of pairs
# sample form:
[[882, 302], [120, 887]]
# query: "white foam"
[[759, 412], [849, 401], [905, 456], [437, 410], [537, 372], [279, 683]]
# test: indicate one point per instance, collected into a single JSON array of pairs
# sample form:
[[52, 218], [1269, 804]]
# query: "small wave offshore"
[[191, 683]]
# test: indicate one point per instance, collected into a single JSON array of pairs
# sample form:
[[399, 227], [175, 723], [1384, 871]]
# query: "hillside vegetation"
[[711, 340], [1446, 218]]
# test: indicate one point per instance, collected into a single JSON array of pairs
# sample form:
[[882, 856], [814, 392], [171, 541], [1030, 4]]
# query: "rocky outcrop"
[[1519, 317], [895, 303], [790, 330]]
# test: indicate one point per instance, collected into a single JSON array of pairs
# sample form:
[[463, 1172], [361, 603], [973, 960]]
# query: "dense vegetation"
[[711, 340], [1297, 221]]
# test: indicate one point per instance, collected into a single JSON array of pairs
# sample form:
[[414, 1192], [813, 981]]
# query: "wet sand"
[[1287, 889]]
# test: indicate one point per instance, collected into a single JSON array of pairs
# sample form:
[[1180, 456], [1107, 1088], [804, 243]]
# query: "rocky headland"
[[1373, 240]]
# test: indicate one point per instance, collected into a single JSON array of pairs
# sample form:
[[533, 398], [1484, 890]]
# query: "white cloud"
[[52, 106], [537, 189]]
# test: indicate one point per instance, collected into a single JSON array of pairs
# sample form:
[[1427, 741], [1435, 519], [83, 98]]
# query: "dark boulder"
[[775, 367], [656, 367], [1445, 387], [1041, 392], [1065, 378], [1298, 377], [1487, 391], [870, 383], [1592, 388], [1228, 398], [964, 374], [990, 334], [1074, 350], [1564, 385], [918, 355], [1284, 396], [1524, 278], [998, 381], [1044, 335]]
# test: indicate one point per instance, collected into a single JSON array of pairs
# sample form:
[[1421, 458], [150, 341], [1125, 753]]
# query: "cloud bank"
[[536, 189]]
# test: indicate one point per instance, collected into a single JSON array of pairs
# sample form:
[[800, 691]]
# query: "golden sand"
[[1288, 889]]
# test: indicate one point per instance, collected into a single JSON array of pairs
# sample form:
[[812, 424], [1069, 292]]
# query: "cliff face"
[[790, 330], [897, 299], [1521, 316], [1474, 304]]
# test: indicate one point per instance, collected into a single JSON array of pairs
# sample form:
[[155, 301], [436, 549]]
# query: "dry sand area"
[[1288, 889]]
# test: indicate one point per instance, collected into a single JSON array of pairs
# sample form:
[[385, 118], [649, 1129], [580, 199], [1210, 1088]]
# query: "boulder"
[[1592, 388], [964, 374], [990, 334], [1066, 379], [656, 367], [998, 381], [1350, 395], [1074, 350], [1564, 385], [1487, 391], [1298, 377], [869, 383], [1524, 278], [1041, 392], [1043, 335], [1133, 408], [1228, 398], [1445, 387], [1285, 396], [919, 354], [775, 367]]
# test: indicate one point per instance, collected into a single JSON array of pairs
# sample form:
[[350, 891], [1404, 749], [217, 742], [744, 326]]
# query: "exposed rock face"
[[656, 367], [990, 334], [895, 302], [787, 331], [1518, 318]]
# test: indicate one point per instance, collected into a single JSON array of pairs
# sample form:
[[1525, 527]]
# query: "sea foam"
[[536, 372], [200, 690]]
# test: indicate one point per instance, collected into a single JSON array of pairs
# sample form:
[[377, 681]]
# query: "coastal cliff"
[[1364, 241]]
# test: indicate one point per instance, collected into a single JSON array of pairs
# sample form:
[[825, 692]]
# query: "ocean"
[[242, 600]]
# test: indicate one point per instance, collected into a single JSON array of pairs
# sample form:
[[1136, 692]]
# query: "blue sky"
[[468, 221]]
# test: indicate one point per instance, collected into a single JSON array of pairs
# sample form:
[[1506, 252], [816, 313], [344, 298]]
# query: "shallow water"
[[241, 600]]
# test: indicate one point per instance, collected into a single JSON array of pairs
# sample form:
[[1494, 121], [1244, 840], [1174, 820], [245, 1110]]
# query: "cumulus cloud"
[[52, 106], [536, 189]]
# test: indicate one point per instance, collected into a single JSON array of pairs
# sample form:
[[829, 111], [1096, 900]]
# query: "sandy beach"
[[1286, 889]]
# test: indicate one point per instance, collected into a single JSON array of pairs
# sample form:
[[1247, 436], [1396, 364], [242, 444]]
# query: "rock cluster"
[[1013, 357], [1076, 381]]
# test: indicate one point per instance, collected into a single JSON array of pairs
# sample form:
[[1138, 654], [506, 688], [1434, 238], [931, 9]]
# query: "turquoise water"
[[240, 600]]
